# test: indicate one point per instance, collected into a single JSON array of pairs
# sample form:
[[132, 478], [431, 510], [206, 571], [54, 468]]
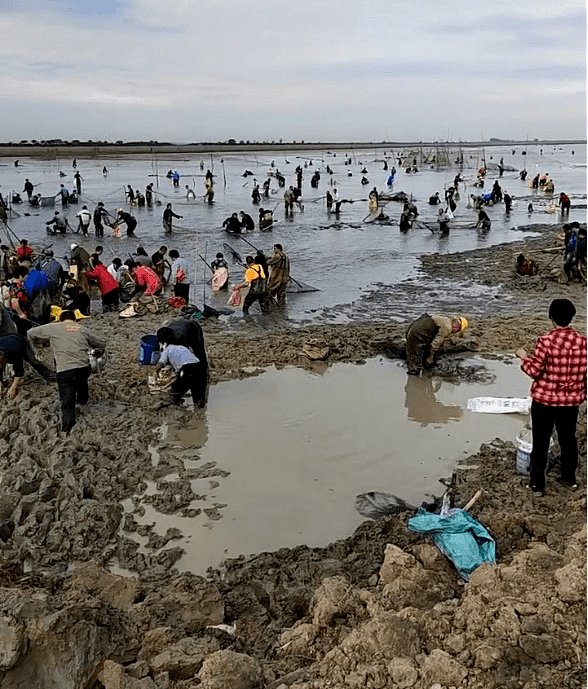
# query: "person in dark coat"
[[188, 333]]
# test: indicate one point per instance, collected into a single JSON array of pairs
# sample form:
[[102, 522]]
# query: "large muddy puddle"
[[296, 447]]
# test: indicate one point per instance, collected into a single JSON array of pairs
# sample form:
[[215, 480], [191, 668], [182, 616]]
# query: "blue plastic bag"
[[459, 537]]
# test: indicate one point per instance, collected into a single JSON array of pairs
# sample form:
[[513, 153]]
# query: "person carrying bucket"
[[558, 370]]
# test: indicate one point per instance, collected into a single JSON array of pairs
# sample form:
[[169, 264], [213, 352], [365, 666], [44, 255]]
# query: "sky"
[[299, 70]]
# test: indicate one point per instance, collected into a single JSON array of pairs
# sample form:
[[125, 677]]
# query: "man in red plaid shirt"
[[558, 370]]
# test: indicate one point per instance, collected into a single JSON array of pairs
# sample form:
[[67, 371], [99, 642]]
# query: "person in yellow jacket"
[[256, 280]]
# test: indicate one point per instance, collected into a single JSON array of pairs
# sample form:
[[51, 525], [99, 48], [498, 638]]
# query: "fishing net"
[[297, 287], [234, 255], [294, 286]]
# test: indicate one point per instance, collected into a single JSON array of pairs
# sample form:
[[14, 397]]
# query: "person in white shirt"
[[116, 269], [185, 363], [179, 275], [84, 217]]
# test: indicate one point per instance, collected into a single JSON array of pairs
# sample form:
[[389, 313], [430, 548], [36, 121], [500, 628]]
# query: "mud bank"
[[381, 608], [106, 150]]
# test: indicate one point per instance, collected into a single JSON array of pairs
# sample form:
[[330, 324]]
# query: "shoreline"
[[108, 150]]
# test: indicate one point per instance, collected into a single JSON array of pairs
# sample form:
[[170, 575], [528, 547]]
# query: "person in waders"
[[443, 220], [279, 265], [168, 216], [425, 337], [255, 279]]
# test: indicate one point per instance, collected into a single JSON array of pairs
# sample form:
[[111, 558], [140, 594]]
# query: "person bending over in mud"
[[425, 337], [186, 364], [526, 266], [188, 333]]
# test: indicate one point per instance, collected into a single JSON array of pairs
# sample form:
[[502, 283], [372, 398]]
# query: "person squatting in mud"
[[426, 335], [526, 266], [70, 342], [558, 369]]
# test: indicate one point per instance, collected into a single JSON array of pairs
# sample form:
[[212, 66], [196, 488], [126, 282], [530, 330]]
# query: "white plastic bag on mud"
[[129, 312], [500, 405]]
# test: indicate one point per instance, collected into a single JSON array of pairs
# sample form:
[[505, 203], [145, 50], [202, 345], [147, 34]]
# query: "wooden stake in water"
[[204, 276]]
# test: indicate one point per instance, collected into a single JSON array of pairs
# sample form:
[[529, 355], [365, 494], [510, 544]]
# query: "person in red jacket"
[[24, 251], [148, 281], [558, 370], [107, 285]]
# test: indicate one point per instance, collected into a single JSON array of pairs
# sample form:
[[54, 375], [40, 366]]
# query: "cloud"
[[225, 66]]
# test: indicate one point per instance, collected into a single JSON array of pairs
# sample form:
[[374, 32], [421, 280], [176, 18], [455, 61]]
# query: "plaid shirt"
[[558, 368]]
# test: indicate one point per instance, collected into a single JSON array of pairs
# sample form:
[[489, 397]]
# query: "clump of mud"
[[382, 608]]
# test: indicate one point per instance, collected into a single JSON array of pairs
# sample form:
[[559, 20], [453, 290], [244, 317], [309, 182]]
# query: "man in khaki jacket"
[[279, 265], [70, 342]]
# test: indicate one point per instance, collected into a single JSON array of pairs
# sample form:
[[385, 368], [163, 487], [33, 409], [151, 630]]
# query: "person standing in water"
[[168, 215], [28, 188], [100, 216], [78, 181], [279, 265]]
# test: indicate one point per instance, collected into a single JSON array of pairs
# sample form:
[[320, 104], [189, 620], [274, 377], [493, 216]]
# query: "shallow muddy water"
[[344, 257], [300, 446]]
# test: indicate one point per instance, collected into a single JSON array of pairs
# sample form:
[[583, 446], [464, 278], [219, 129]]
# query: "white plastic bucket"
[[524, 444]]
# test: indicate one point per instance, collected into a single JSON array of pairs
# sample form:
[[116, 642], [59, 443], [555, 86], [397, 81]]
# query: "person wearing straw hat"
[[425, 337]]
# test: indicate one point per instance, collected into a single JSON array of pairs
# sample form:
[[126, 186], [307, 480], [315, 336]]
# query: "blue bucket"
[[149, 351]]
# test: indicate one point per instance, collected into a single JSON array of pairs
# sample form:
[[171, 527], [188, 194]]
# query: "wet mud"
[[381, 608]]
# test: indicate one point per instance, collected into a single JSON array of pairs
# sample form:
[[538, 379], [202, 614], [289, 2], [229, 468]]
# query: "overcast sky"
[[265, 70]]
